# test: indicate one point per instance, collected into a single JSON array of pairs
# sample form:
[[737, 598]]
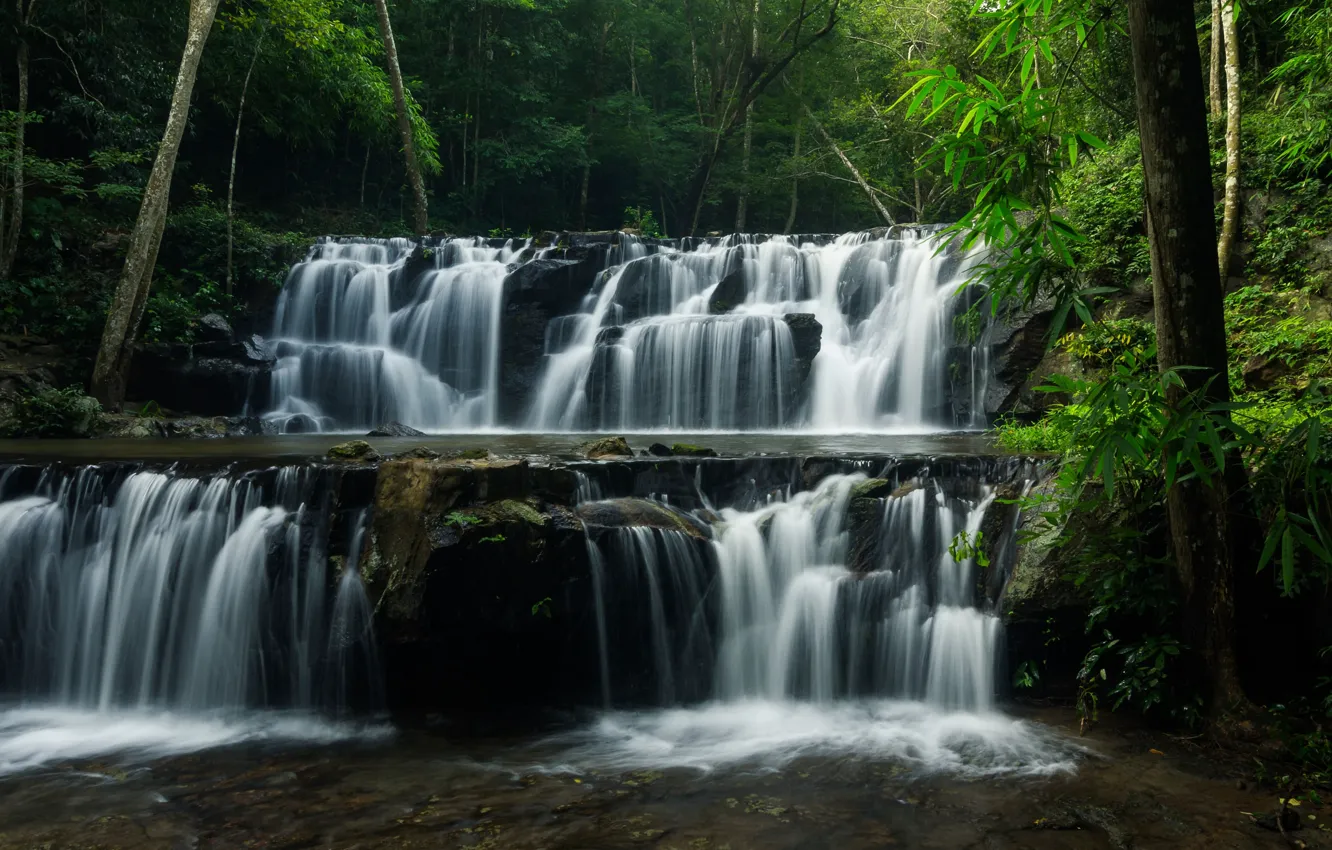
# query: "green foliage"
[[52, 413], [1304, 89], [968, 546], [641, 221], [461, 519], [542, 607], [1102, 344], [494, 538]]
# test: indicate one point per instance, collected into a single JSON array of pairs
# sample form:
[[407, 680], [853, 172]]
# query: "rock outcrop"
[[216, 377], [534, 294]]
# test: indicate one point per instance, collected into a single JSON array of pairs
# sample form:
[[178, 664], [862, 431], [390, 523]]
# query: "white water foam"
[[772, 734], [33, 736]]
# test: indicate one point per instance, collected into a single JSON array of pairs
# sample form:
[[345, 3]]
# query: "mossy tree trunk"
[[111, 370], [11, 220], [1190, 325]]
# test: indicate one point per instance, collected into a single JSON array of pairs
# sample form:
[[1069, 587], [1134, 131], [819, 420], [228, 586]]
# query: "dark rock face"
[[395, 429], [729, 294], [475, 577], [1014, 345], [212, 378], [806, 340], [535, 294], [214, 328]]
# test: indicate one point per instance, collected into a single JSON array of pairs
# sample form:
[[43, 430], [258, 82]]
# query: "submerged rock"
[[606, 447], [395, 429], [688, 450]]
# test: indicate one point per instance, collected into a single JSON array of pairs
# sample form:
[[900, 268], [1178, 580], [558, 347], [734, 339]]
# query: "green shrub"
[[52, 413]]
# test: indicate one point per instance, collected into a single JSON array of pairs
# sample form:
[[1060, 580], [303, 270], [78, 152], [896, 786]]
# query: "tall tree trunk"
[[1190, 325], [742, 204], [795, 179], [1231, 213], [9, 231], [235, 147], [420, 210], [1216, 58], [111, 370], [850, 166]]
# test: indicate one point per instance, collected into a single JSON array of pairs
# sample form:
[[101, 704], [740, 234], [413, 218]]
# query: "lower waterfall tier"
[[429, 583]]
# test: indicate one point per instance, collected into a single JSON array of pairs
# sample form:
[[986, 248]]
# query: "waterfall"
[[697, 339], [798, 622], [838, 622], [128, 595], [368, 332], [687, 335]]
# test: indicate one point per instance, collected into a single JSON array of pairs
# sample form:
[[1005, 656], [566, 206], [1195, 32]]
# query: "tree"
[[741, 81], [9, 230], [1216, 62], [1231, 210], [1190, 325], [420, 212], [111, 370]]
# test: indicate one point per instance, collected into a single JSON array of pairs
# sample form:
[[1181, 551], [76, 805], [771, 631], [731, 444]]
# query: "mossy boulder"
[[872, 488], [641, 513], [606, 447], [689, 450], [353, 451]]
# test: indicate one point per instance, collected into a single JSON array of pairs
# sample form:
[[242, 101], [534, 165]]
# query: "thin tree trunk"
[[850, 166], [795, 180], [420, 210], [10, 231], [1190, 325], [1231, 213], [1216, 59], [111, 370], [742, 204], [365, 169], [235, 147]]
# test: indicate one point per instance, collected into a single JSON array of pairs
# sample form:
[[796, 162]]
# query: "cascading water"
[[153, 602], [700, 339], [889, 650], [361, 342], [697, 335]]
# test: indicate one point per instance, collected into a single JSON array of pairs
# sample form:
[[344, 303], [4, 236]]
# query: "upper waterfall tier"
[[595, 332]]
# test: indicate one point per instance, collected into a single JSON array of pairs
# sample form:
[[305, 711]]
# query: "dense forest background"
[[670, 116]]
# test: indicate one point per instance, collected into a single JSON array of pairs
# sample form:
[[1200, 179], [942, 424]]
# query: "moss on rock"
[[353, 451], [606, 447]]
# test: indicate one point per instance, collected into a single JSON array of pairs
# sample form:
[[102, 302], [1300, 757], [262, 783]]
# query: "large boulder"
[[730, 293], [806, 341]]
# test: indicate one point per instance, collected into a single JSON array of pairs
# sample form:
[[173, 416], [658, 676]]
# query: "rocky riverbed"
[[464, 786]]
